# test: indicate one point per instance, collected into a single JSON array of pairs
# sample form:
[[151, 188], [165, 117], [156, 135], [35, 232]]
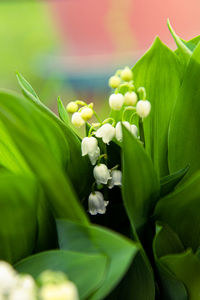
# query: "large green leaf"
[[57, 187], [186, 267], [159, 72], [184, 134], [167, 242], [181, 211], [27, 115], [119, 251], [18, 216], [140, 187], [169, 182], [184, 51], [85, 270], [78, 167]]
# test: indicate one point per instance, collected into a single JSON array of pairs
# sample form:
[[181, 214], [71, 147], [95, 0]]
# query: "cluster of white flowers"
[[125, 98], [14, 286]]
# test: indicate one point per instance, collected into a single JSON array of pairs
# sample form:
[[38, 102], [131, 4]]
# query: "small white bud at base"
[[101, 174], [94, 156], [116, 179], [72, 107], [114, 82], [130, 98], [86, 113], [8, 277], [118, 133], [77, 120], [143, 108], [89, 145], [96, 203], [64, 291], [106, 132], [116, 101], [126, 74]]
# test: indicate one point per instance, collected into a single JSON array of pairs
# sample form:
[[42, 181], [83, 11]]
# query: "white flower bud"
[[118, 133], [130, 98], [114, 82], [77, 120], [64, 291], [116, 179], [101, 174], [94, 156], [72, 107], [86, 113], [126, 74], [116, 101], [134, 130], [8, 277], [143, 108], [96, 203], [106, 132], [88, 145], [22, 294]]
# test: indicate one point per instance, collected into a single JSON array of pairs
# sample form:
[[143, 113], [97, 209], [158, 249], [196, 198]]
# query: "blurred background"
[[71, 47]]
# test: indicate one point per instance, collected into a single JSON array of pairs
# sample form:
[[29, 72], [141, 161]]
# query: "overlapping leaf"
[[184, 135], [166, 242], [181, 211], [159, 72], [85, 270], [18, 219], [119, 251]]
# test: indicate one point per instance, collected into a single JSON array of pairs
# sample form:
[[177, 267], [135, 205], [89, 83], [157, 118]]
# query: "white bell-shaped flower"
[[72, 107], [130, 98], [8, 277], [94, 156], [77, 120], [114, 81], [116, 179], [116, 101], [118, 133], [96, 203], [134, 130], [88, 145], [143, 108], [101, 174], [106, 132], [86, 113], [22, 294]]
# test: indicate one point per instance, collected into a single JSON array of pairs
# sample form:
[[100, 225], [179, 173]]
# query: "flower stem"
[[141, 128]]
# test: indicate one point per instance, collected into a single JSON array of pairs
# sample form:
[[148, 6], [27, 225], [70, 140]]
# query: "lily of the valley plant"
[[117, 211]]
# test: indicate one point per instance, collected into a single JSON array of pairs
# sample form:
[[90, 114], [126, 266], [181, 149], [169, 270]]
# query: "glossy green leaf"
[[159, 72], [61, 195], [93, 239], [27, 89], [181, 211], [140, 187], [167, 242], [168, 183], [85, 270], [28, 116], [62, 112], [186, 267], [184, 50], [18, 216], [184, 136], [78, 167]]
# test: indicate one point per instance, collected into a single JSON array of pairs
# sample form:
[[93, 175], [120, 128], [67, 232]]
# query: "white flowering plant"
[[117, 211]]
